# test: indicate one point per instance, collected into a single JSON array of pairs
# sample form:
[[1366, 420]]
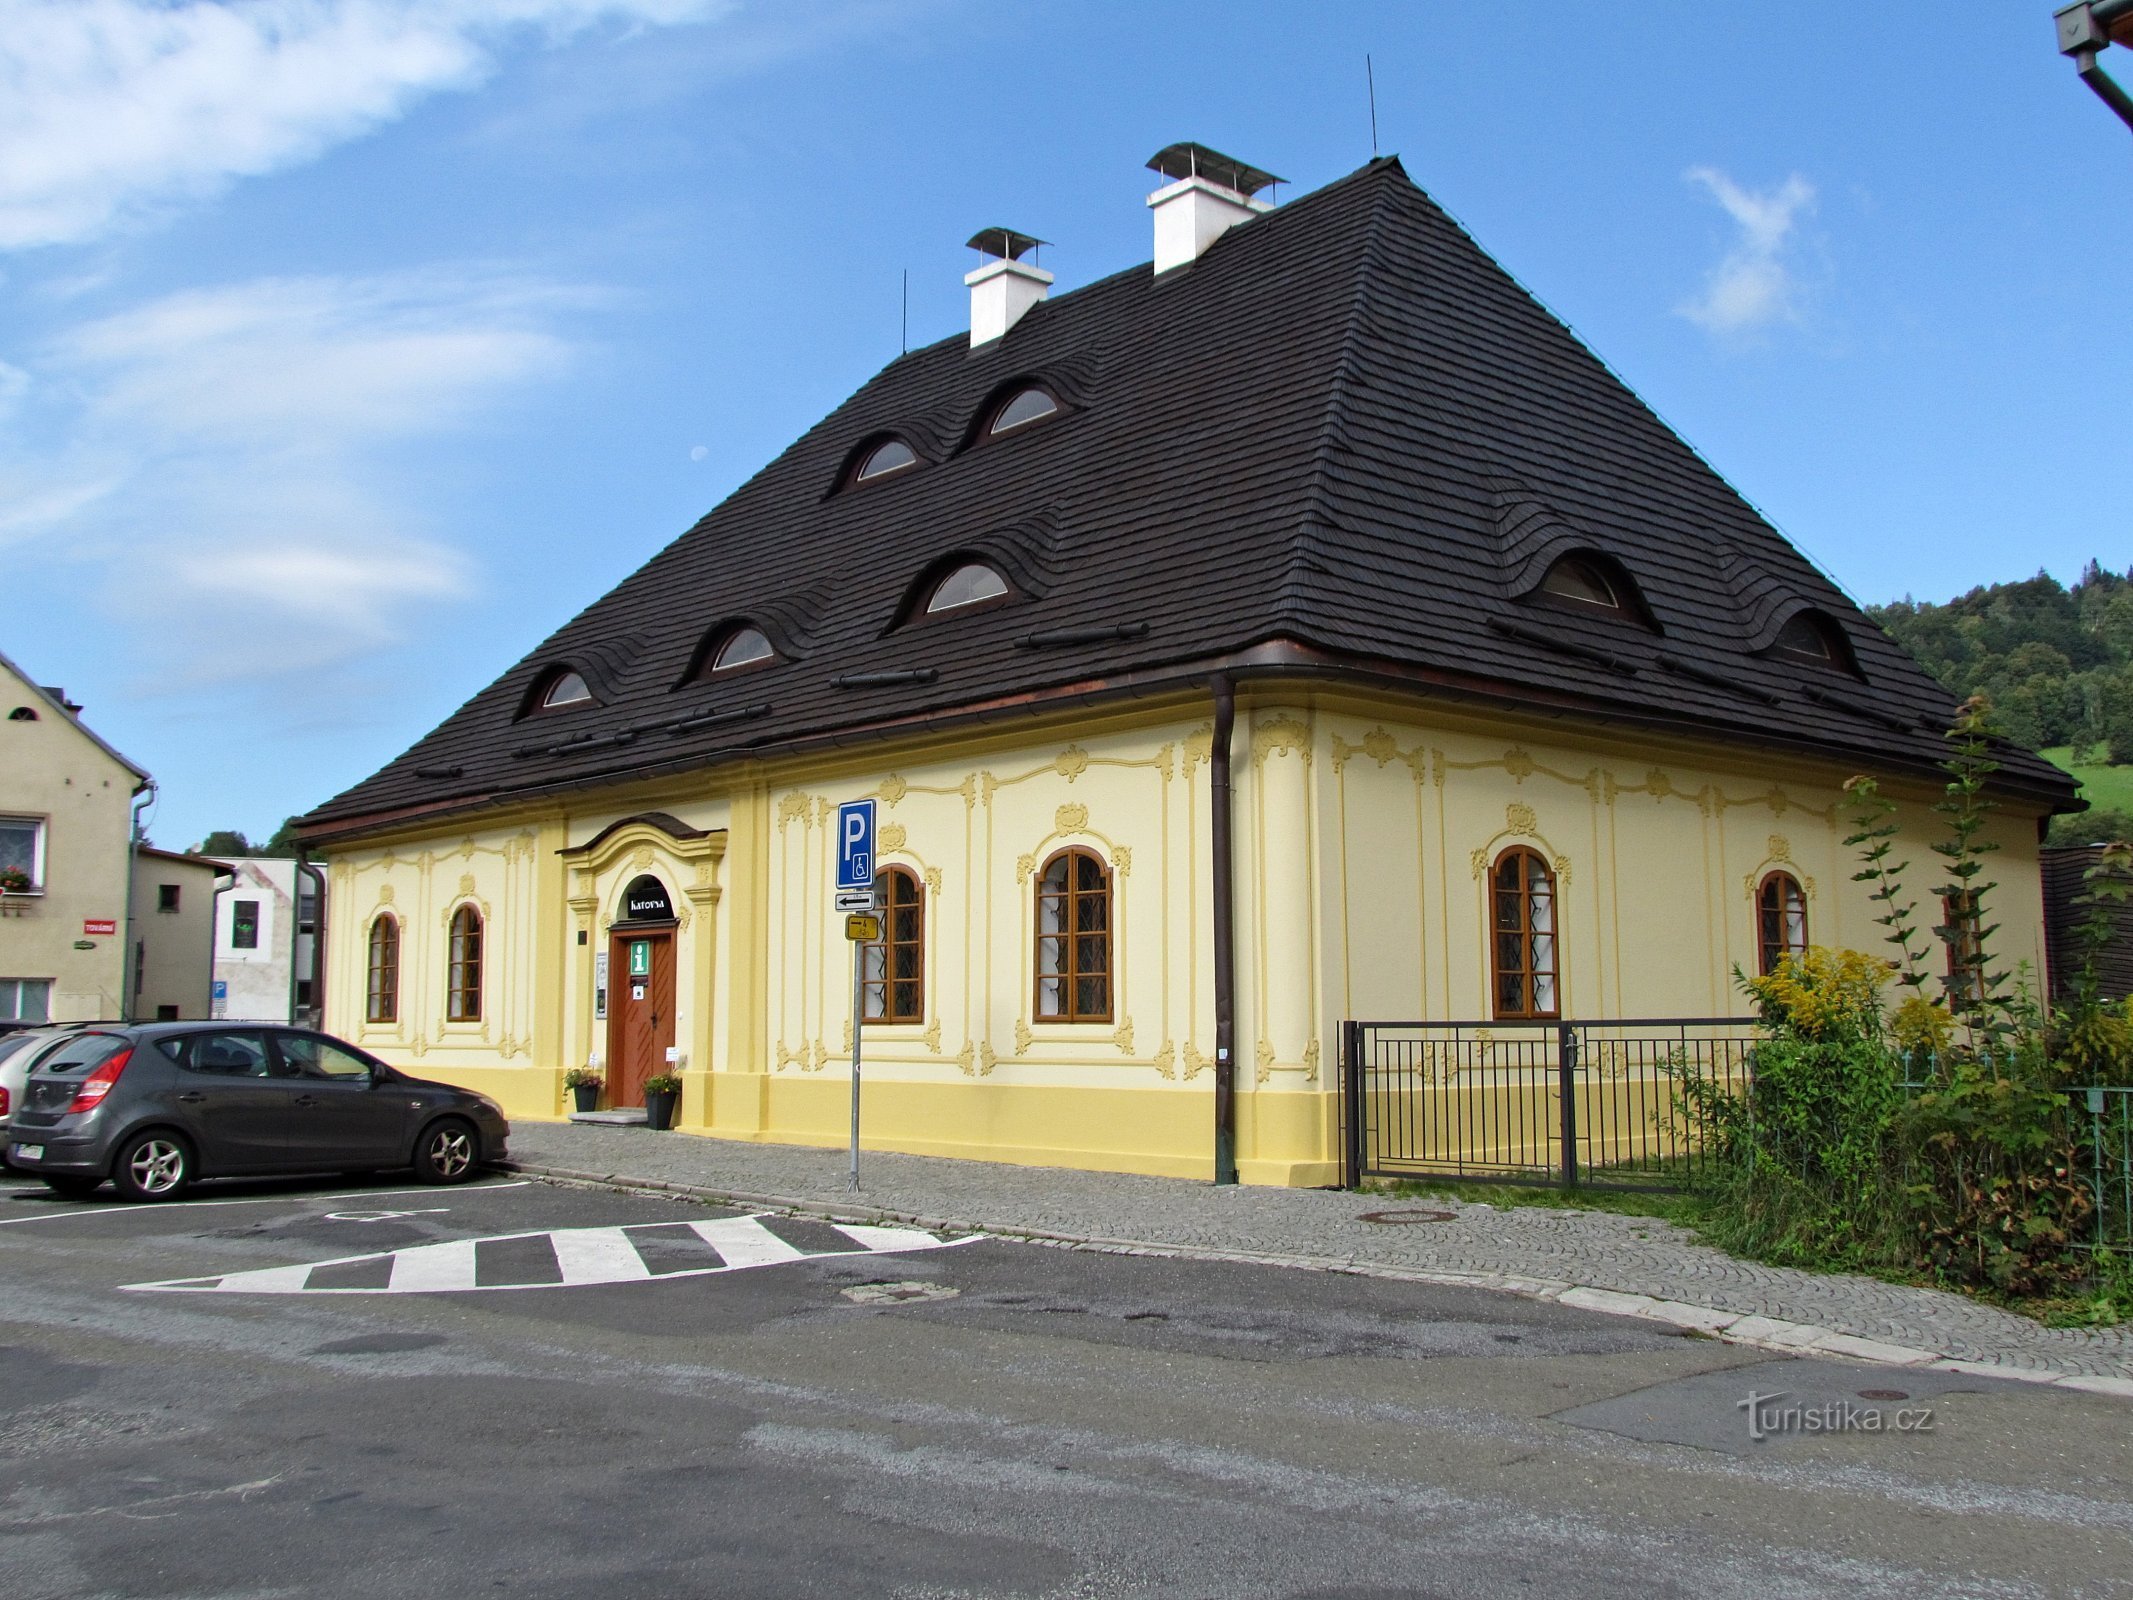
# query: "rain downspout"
[[1225, 933], [143, 796], [304, 869]]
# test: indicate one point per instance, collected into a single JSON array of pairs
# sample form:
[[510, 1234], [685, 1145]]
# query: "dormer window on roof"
[[1582, 583], [970, 584], [565, 690], [743, 647], [1024, 407], [1813, 637], [886, 459]]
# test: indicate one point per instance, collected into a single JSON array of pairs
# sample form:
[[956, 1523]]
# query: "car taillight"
[[98, 1084], [3, 1102]]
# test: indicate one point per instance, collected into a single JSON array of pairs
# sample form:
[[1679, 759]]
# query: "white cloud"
[[1754, 285], [223, 453], [111, 108]]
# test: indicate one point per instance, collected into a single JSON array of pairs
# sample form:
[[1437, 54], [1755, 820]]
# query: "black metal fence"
[[2109, 1113], [1533, 1102]]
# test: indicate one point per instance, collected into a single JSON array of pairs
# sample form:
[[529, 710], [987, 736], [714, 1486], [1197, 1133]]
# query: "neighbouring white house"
[[266, 923]]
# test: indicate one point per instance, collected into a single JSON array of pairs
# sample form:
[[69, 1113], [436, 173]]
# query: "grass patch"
[[2106, 788], [1684, 1208]]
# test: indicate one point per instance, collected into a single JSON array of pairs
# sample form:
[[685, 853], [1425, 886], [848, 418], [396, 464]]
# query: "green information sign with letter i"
[[640, 958]]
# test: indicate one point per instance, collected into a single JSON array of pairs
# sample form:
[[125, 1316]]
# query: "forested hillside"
[[2057, 663]]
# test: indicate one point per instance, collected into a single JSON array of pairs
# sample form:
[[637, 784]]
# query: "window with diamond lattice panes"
[[1074, 938], [1522, 936], [893, 967]]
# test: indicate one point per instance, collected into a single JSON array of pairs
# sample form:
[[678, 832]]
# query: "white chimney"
[[1210, 195], [1005, 286]]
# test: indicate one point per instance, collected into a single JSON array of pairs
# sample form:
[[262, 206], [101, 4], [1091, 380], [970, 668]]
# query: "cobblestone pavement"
[[1637, 1266]]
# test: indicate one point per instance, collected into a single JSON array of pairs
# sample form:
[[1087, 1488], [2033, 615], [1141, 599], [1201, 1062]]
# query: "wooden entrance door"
[[640, 1012]]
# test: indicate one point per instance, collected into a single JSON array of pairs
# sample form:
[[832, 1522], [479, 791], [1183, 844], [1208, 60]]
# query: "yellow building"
[[1302, 628]]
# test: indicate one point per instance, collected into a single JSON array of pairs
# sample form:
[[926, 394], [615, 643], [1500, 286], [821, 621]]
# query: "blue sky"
[[347, 346]]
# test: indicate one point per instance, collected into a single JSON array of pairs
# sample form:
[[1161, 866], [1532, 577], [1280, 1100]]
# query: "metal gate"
[[1532, 1102]]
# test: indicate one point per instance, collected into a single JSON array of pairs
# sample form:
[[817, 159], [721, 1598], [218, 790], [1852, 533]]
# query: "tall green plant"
[[1874, 833], [1973, 986]]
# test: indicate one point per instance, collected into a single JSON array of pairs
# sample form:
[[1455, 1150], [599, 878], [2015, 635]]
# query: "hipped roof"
[[1344, 426]]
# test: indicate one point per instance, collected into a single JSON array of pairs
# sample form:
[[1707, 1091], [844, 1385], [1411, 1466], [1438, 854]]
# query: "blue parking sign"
[[855, 846]]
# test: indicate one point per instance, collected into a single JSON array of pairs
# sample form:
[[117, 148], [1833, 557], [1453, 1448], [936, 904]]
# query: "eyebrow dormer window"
[[1812, 637], [1582, 583], [889, 457], [1031, 405], [971, 584], [743, 647], [568, 689]]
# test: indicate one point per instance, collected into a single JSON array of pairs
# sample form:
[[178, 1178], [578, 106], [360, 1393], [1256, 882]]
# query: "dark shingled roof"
[[1344, 426]]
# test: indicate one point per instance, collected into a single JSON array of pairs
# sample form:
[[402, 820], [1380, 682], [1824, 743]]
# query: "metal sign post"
[[855, 893]]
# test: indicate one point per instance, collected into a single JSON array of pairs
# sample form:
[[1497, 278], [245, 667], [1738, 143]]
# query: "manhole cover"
[[1397, 1217], [870, 1294], [1884, 1394]]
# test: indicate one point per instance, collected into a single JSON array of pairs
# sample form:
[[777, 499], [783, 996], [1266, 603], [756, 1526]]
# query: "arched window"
[[22, 714], [970, 584], [1074, 939], [463, 975], [567, 689], [889, 457], [381, 1002], [1780, 921], [1522, 943], [1582, 583], [893, 967], [1814, 638], [743, 647], [1021, 409]]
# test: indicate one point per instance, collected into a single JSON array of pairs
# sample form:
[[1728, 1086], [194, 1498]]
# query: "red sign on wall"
[[99, 927]]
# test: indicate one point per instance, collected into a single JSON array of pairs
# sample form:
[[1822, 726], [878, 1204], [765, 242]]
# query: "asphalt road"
[[628, 1398]]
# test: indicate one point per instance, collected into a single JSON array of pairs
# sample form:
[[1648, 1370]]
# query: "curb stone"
[[1729, 1327]]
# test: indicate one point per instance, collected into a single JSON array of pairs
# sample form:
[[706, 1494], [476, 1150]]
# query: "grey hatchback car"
[[152, 1106]]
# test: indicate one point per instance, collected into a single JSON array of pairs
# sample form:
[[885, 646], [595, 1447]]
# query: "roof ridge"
[[1318, 499]]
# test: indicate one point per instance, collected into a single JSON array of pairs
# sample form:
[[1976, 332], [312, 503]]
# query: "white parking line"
[[595, 1255], [262, 1200]]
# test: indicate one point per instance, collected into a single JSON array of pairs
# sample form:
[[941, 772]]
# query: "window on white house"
[[244, 925], [167, 896], [22, 851], [25, 999]]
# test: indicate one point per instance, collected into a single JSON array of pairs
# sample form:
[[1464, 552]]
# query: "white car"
[[18, 1053]]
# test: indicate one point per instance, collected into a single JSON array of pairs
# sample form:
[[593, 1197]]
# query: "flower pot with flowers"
[[585, 1086], [13, 881], [662, 1099]]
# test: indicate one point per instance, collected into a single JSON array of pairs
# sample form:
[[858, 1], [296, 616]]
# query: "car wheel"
[[157, 1165], [72, 1188], [445, 1153]]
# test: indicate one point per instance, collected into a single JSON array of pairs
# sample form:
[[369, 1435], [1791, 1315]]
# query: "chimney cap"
[[1005, 243], [1189, 160]]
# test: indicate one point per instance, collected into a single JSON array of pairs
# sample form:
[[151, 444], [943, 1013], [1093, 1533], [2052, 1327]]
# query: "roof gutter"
[[1282, 658]]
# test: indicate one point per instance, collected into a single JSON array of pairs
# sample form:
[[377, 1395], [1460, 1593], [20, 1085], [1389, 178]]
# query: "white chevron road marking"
[[598, 1255], [745, 1242], [583, 1256]]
